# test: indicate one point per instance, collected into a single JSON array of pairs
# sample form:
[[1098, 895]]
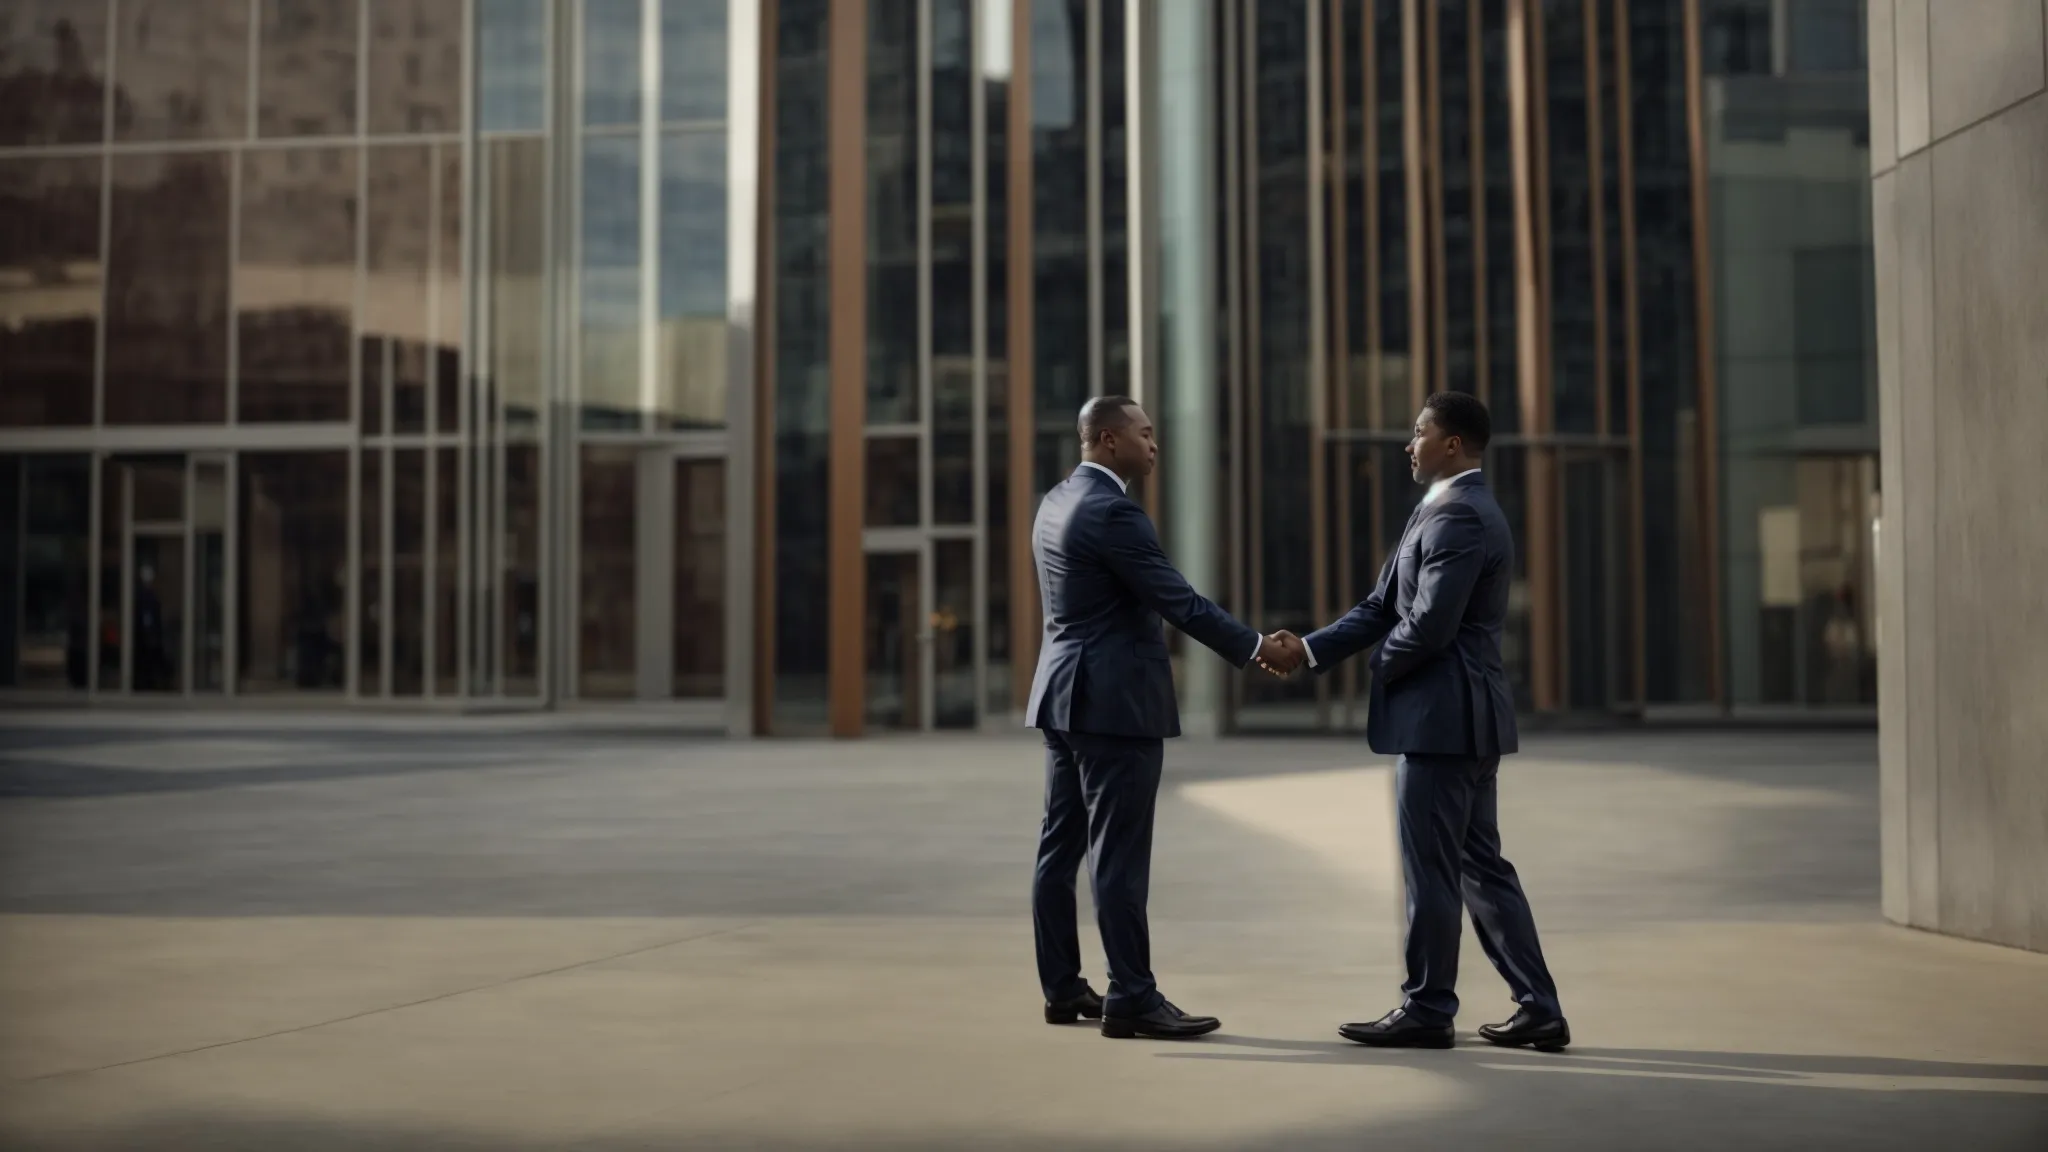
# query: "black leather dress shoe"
[[1067, 1011], [1526, 1030], [1162, 1023], [1397, 1029]]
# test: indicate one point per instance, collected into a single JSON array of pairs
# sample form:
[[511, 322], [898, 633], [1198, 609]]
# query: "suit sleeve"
[[1130, 548], [1364, 626], [1452, 560]]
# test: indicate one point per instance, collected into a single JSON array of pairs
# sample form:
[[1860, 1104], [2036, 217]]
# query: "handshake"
[[1281, 653]]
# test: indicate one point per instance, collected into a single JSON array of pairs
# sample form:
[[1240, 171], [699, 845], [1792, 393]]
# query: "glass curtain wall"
[[336, 299], [1789, 152], [1393, 129]]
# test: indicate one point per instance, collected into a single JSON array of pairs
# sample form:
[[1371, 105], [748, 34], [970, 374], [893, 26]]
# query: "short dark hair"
[[1463, 415], [1105, 414]]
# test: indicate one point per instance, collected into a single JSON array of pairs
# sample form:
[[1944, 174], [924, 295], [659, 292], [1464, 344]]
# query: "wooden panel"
[[1024, 605], [847, 255]]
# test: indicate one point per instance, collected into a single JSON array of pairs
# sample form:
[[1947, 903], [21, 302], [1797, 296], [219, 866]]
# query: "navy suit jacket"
[[1437, 612], [1105, 583]]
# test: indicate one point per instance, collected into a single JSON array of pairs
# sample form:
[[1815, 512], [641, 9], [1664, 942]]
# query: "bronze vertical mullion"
[[1324, 136], [1341, 262], [1546, 610], [764, 378], [1596, 180], [847, 223], [1369, 167], [1024, 602], [1708, 448], [1255, 610], [1475, 85], [1232, 279], [1624, 130], [1413, 124], [1540, 547], [1433, 176]]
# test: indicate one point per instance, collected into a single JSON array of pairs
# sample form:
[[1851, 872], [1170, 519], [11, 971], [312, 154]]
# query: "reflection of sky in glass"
[[512, 64], [693, 224], [1053, 55], [611, 231], [611, 61], [693, 52]]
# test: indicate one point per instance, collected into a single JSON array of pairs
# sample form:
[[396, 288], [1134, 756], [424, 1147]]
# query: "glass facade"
[[712, 354]]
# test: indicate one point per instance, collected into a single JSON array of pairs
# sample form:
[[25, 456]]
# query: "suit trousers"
[[1449, 819], [1100, 794]]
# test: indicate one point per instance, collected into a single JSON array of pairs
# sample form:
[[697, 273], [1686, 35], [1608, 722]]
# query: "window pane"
[[294, 537], [515, 193], [693, 281], [54, 72], [611, 62], [693, 59], [416, 65], [181, 70], [307, 86], [698, 621], [952, 628], [50, 274], [610, 305], [892, 273], [892, 487], [803, 304], [447, 296], [511, 64], [407, 661], [167, 290], [608, 556], [522, 569], [370, 587], [447, 571], [46, 549], [295, 283], [396, 300], [894, 618]]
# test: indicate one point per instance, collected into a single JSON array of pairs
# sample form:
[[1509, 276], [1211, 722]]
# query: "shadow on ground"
[[1596, 1099]]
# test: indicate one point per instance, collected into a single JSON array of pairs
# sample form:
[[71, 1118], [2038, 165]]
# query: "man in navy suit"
[[1440, 701], [1103, 696]]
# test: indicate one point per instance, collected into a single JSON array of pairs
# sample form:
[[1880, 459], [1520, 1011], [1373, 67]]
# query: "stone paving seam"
[[367, 1012]]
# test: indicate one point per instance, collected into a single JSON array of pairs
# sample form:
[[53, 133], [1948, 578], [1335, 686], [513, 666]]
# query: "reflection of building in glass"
[[714, 353]]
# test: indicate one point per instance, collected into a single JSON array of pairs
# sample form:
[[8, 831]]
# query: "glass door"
[[209, 588], [899, 639], [153, 576]]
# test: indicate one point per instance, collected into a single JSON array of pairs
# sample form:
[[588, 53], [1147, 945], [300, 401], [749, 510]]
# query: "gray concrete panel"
[[1909, 74], [1984, 56], [1884, 88], [1991, 357]]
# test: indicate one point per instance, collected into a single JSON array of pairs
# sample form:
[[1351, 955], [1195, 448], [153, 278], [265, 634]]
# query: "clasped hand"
[[1281, 653]]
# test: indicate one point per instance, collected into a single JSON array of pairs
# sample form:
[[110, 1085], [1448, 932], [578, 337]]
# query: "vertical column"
[[1024, 604], [748, 77], [847, 272], [1187, 275], [1708, 448]]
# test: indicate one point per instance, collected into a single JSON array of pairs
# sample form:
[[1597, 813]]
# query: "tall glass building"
[[713, 354]]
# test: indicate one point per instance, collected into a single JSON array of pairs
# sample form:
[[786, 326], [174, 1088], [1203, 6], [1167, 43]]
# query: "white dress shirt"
[[1428, 498], [1126, 490]]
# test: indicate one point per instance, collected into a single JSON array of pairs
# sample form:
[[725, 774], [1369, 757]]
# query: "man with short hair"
[[1103, 695], [1441, 702]]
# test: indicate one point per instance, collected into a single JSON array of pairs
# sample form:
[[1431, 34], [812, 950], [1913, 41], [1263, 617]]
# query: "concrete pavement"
[[477, 935]]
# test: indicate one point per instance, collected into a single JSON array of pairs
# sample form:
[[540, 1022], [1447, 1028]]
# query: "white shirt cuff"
[[1311, 654], [1256, 645]]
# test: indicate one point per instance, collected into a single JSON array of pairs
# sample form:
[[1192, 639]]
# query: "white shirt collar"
[[1120, 485], [1437, 488]]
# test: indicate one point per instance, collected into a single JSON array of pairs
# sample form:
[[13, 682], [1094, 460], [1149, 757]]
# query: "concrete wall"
[[1959, 151]]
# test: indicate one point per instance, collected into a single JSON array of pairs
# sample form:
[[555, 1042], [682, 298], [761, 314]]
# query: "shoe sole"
[[1557, 1045], [1073, 1016], [1124, 1030], [1434, 1043]]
